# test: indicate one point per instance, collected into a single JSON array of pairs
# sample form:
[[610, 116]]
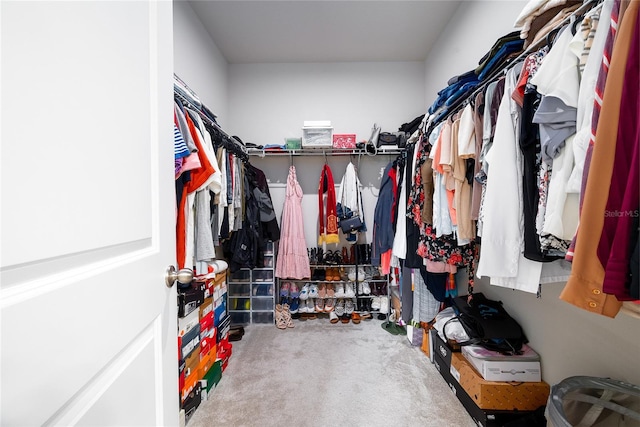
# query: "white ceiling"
[[268, 31]]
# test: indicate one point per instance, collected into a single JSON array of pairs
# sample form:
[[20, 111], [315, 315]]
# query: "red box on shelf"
[[344, 140]]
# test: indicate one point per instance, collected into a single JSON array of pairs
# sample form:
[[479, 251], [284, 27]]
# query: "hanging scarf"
[[328, 228]]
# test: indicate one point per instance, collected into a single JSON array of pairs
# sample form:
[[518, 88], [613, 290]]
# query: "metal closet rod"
[[240, 149], [586, 7], [316, 152]]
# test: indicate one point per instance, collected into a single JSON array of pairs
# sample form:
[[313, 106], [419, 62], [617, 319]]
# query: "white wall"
[[198, 62], [570, 341], [471, 32], [268, 102]]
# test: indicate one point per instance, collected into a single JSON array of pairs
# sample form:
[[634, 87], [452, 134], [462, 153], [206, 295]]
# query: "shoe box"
[[190, 298], [494, 366], [223, 327], [191, 402], [489, 403], [211, 379], [189, 341]]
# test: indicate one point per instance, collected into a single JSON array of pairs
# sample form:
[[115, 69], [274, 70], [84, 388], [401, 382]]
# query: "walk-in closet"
[[319, 213]]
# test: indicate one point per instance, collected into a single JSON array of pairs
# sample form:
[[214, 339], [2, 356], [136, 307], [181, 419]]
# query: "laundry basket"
[[589, 401]]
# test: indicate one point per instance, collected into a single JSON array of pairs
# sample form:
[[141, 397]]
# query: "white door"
[[88, 327]]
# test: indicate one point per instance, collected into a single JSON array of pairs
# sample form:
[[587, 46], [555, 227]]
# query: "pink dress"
[[292, 260]]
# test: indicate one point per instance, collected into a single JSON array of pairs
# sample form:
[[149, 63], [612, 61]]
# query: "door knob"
[[184, 275]]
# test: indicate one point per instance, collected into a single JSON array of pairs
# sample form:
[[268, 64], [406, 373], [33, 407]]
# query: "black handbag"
[[350, 225], [488, 324], [398, 139], [387, 138]]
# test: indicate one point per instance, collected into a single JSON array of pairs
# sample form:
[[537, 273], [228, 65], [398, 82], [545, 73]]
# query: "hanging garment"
[[383, 218], [327, 224], [292, 261], [350, 199], [584, 287], [502, 236], [616, 242]]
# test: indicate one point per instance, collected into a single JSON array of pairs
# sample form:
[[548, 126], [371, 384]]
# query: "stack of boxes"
[[500, 390], [204, 348]]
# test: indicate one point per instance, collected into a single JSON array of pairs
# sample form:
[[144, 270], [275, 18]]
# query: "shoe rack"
[[355, 280], [251, 292]]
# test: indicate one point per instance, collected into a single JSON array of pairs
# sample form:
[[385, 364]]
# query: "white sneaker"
[[384, 305], [339, 310], [304, 292], [375, 303], [348, 306], [366, 289], [348, 291], [352, 274], [310, 306], [360, 291], [313, 291], [339, 290]]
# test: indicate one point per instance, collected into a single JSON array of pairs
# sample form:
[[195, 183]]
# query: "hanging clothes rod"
[[497, 74]]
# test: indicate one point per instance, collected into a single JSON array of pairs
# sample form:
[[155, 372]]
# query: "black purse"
[[398, 139], [350, 225]]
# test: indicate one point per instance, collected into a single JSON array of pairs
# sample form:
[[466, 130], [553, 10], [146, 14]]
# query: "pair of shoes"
[[333, 317], [384, 304], [287, 315], [392, 328], [318, 274], [348, 307], [348, 290], [322, 290], [345, 318], [307, 306], [355, 318], [294, 305], [339, 292], [375, 303], [304, 292], [320, 305], [329, 305], [364, 288], [330, 291], [339, 308], [281, 323], [284, 289], [333, 274]]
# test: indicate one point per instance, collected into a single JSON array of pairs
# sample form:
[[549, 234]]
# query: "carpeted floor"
[[320, 374]]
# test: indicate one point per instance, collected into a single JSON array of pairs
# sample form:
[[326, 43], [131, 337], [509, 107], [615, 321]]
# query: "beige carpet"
[[319, 374]]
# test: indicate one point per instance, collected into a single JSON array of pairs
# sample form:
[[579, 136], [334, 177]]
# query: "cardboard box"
[[425, 343], [493, 366], [489, 394], [498, 395], [482, 417]]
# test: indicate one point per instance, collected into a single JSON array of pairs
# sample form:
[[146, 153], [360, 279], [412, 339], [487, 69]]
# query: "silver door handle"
[[184, 275]]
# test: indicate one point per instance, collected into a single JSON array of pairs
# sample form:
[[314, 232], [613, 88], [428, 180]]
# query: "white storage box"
[[317, 134], [494, 366]]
